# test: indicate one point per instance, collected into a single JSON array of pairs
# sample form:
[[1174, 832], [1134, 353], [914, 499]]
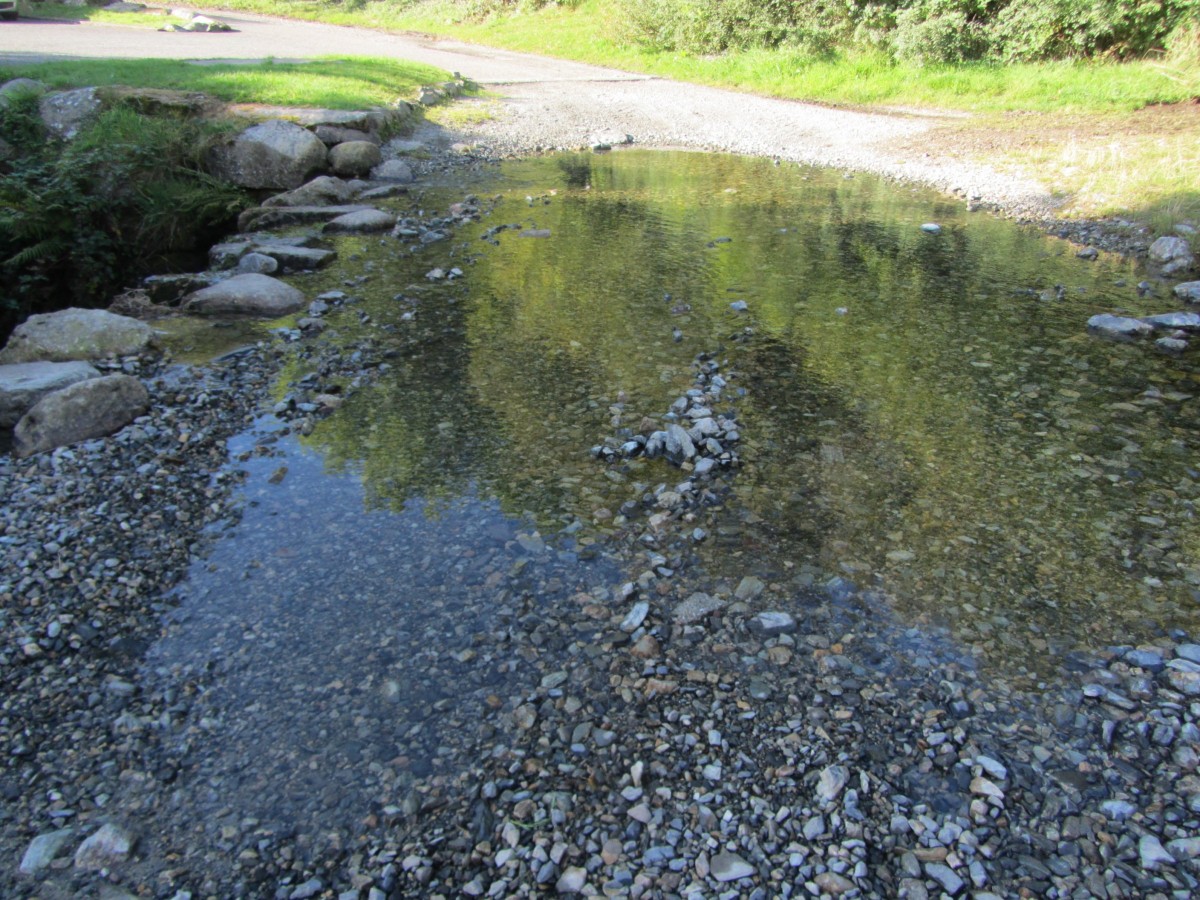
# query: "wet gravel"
[[556, 714]]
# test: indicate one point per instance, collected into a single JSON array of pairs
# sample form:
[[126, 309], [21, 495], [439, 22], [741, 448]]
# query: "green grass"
[[148, 19], [334, 82]]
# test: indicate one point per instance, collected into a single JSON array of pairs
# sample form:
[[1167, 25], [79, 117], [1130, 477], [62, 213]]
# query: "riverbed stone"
[[43, 850], [324, 190], [362, 222], [394, 170], [297, 257], [1173, 254], [88, 409], [696, 607], [75, 334], [275, 154], [1188, 321], [22, 385], [727, 866], [1121, 328], [1188, 291], [259, 263], [354, 159], [772, 623], [110, 846], [246, 295]]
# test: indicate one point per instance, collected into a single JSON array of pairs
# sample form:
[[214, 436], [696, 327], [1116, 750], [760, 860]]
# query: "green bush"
[[80, 220], [923, 31]]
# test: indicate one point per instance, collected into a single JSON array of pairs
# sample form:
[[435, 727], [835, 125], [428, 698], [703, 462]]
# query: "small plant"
[[80, 220]]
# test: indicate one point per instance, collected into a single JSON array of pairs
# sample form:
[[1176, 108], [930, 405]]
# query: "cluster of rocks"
[[695, 435], [1171, 255]]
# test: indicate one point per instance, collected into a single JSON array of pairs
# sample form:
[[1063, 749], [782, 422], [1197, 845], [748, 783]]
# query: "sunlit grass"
[[150, 18], [333, 82]]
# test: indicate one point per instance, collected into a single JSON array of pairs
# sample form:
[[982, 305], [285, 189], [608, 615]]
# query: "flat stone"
[[297, 257], [43, 850], [1121, 328], [394, 170], [324, 190], [1187, 321], [362, 222], [1153, 854], [946, 877], [24, 384], [695, 608], [259, 217], [771, 623], [75, 334], [571, 881], [246, 295], [726, 866], [1188, 291], [108, 847]]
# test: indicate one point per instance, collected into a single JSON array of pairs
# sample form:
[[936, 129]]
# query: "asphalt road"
[[546, 103]]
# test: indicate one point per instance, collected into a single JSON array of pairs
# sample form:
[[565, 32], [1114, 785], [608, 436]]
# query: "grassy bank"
[[335, 83]]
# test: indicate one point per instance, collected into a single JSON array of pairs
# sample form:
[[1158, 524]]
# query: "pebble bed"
[[654, 735]]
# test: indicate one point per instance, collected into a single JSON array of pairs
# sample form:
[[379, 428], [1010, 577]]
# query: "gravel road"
[[545, 103]]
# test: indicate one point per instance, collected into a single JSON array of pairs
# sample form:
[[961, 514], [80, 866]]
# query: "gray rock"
[[1186, 320], [297, 257], [73, 334], [726, 866], [18, 87], [66, 113], [404, 147], [108, 847], [43, 850], [24, 384], [749, 588], [246, 295], [275, 154], [259, 263], [395, 170], [946, 877], [1188, 291], [1173, 253], [307, 890], [931, 228], [1121, 328], [1189, 652], [324, 190], [635, 617], [331, 135], [1153, 854], [695, 608], [87, 409], [679, 444], [354, 158], [571, 881], [771, 623], [831, 783], [227, 255], [362, 222]]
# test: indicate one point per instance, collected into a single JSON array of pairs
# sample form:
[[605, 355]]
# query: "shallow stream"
[[925, 425]]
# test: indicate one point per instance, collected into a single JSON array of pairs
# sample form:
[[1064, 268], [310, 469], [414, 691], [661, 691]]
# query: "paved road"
[[552, 103]]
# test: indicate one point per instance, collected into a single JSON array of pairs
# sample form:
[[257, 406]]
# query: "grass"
[[151, 18], [334, 82]]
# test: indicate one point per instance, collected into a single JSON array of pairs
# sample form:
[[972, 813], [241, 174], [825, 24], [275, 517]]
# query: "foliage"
[[926, 31], [80, 220]]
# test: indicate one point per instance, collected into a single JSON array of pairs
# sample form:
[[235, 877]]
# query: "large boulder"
[[75, 334], [65, 113], [354, 159], [87, 409], [277, 155], [246, 295], [1173, 254], [321, 191], [24, 384]]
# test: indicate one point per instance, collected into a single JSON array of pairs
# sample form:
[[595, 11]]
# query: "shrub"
[[80, 220]]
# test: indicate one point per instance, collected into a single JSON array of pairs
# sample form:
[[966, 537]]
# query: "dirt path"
[[540, 103]]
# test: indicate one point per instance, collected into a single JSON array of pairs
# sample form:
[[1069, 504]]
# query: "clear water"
[[923, 415]]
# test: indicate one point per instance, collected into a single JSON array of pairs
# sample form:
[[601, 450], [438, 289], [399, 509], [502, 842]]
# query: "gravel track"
[[543, 103]]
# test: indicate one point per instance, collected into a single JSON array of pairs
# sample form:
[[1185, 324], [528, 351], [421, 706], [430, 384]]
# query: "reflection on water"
[[924, 413]]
